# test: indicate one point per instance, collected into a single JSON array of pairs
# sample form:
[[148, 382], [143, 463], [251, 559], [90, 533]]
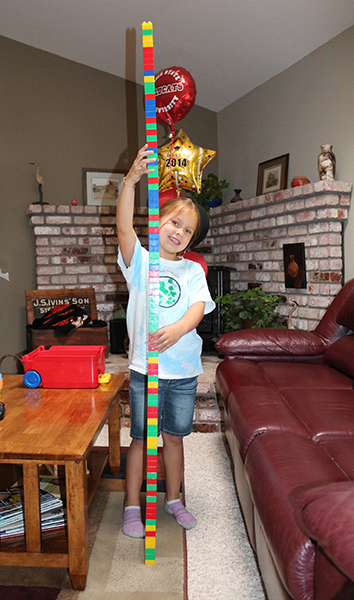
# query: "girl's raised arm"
[[125, 205]]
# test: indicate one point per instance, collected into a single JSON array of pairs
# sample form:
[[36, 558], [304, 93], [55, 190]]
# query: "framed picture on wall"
[[294, 265], [101, 187], [273, 175]]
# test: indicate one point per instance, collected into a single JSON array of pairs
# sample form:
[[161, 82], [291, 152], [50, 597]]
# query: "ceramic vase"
[[237, 196], [326, 162]]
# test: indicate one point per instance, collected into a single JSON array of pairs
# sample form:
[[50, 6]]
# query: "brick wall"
[[76, 246], [248, 236]]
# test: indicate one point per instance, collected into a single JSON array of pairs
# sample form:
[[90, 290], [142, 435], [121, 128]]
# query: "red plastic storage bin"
[[66, 366]]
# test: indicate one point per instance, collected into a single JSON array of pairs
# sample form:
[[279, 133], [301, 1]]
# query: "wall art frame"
[[273, 175], [101, 187], [294, 266]]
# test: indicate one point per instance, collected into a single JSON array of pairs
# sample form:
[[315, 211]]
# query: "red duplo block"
[[153, 412], [150, 120], [151, 513], [148, 51], [153, 369], [154, 229], [149, 96], [152, 464], [152, 145]]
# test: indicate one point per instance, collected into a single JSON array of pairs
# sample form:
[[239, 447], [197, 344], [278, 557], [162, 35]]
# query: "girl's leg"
[[172, 453], [134, 472], [132, 524], [173, 462]]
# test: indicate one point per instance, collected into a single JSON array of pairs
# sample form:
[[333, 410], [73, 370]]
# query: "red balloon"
[[198, 259], [167, 195], [175, 94]]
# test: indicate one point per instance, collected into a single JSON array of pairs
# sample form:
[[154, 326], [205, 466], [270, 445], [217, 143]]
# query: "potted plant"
[[210, 194], [251, 308]]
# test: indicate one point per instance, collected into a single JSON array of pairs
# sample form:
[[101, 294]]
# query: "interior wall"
[[65, 116], [309, 104]]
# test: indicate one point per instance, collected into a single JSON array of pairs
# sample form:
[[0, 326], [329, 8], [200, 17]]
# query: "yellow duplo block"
[[148, 41], [150, 542], [150, 527], [153, 384], [152, 421], [149, 78], [149, 562], [154, 359], [151, 443]]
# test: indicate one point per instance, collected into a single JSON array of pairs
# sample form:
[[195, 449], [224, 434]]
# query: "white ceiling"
[[229, 46]]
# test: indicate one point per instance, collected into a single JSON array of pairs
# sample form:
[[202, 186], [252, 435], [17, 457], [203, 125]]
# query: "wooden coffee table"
[[57, 427]]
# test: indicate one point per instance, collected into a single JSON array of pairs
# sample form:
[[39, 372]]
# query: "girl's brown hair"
[[173, 206]]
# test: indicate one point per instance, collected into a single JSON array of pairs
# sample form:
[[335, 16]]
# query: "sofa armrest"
[[271, 342], [326, 516]]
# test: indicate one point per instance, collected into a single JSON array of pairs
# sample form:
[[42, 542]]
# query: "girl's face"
[[176, 233]]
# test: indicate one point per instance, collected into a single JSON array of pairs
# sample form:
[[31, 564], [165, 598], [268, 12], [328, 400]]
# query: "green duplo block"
[[150, 553], [152, 430], [153, 399], [151, 476], [151, 487], [149, 87], [151, 499], [150, 522], [151, 451]]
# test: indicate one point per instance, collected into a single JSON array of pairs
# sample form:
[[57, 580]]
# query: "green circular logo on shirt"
[[170, 292]]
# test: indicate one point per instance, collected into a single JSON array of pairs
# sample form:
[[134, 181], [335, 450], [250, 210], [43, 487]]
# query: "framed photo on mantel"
[[273, 175], [101, 187]]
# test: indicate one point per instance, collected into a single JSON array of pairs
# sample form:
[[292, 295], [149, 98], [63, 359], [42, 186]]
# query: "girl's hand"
[[165, 337], [140, 166]]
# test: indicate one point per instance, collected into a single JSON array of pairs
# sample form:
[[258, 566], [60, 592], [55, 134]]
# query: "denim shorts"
[[176, 405]]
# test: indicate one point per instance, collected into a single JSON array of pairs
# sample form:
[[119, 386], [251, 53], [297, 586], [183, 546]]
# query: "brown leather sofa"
[[289, 417]]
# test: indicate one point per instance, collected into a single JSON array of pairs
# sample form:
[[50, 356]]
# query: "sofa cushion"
[[327, 516], [277, 465], [256, 411], [346, 314], [327, 414], [304, 376], [340, 355], [235, 373]]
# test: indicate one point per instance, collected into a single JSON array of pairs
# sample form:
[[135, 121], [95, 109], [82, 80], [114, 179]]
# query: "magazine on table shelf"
[[11, 510]]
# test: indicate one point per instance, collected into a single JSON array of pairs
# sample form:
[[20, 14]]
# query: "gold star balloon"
[[182, 165]]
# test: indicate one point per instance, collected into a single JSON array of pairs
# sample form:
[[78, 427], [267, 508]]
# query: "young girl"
[[184, 299]]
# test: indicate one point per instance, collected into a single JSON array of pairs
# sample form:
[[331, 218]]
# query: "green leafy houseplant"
[[251, 308], [212, 187]]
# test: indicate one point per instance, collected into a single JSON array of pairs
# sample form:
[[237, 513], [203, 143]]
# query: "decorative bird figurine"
[[41, 183], [294, 305]]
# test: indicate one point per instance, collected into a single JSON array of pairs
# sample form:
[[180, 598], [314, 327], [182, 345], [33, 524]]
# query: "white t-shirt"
[[182, 283]]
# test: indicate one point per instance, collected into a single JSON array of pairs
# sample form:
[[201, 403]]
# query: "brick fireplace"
[[76, 246], [248, 237]]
